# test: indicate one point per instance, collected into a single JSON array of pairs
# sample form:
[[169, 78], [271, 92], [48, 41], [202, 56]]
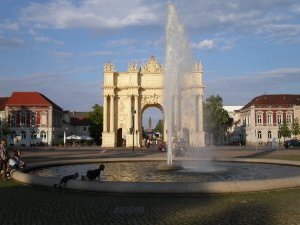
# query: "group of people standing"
[[7, 162]]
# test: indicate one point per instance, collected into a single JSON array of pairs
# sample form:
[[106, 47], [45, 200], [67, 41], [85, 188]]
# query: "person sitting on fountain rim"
[[63, 182]]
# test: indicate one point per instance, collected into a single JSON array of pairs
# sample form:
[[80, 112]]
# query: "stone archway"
[[125, 95], [159, 107]]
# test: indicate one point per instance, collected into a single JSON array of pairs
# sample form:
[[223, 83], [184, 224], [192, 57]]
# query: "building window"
[[279, 118], [23, 119], [23, 135], [43, 135], [289, 119], [244, 121], [259, 118], [33, 135], [44, 119], [33, 119], [12, 135], [269, 134], [13, 120], [269, 119], [259, 135]]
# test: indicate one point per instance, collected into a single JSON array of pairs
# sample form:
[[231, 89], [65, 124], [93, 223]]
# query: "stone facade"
[[262, 117], [126, 95], [33, 119]]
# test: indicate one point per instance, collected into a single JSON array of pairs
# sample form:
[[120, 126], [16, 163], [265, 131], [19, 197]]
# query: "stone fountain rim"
[[166, 187]]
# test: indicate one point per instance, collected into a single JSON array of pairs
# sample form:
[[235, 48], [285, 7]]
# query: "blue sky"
[[58, 47]]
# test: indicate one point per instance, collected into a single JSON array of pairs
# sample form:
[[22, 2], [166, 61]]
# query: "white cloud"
[[247, 17], [99, 53], [45, 39], [270, 19], [62, 88], [60, 54], [9, 26], [240, 90], [10, 42], [122, 42], [205, 44], [104, 14]]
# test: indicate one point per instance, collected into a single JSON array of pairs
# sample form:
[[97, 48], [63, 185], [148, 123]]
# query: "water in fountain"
[[179, 104]]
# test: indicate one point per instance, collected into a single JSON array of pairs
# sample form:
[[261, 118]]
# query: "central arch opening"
[[152, 125]]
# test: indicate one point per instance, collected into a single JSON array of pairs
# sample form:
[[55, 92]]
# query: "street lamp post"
[[65, 135], [133, 129]]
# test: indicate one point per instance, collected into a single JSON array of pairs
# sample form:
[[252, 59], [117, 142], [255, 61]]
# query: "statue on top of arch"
[[198, 67], [133, 67], [152, 66], [109, 67]]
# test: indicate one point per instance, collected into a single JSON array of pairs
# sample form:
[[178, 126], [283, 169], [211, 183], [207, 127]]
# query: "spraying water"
[[181, 106]]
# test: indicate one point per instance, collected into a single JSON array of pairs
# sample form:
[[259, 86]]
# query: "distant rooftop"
[[30, 99], [274, 100]]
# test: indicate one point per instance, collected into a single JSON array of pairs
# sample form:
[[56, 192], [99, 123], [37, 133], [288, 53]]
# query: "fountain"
[[179, 103]]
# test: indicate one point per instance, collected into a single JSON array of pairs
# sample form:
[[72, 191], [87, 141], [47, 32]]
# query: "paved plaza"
[[22, 204]]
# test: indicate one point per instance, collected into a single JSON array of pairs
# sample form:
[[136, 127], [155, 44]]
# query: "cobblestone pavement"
[[38, 205]]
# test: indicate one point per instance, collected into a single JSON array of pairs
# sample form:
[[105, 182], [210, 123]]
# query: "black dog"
[[93, 174], [63, 182]]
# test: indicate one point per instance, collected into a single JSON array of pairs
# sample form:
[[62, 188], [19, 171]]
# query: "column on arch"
[[136, 115], [200, 113], [136, 119], [129, 113], [105, 113], [112, 113]]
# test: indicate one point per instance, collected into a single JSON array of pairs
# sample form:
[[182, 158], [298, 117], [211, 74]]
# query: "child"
[[93, 174], [15, 162]]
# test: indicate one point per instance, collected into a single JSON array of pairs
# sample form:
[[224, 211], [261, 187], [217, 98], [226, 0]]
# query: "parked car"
[[293, 143]]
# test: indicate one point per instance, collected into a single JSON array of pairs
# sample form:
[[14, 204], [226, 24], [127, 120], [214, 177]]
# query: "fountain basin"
[[166, 187]]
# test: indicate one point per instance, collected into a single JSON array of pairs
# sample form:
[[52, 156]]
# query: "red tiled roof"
[[30, 99], [274, 100], [3, 101], [80, 122], [79, 118]]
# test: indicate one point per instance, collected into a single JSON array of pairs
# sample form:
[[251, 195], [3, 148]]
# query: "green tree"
[[284, 131], [216, 118], [295, 127], [5, 129], [159, 127], [96, 119]]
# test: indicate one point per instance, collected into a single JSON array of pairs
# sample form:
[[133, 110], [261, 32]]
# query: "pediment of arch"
[[152, 66]]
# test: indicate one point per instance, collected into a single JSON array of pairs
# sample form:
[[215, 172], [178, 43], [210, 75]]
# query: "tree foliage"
[[96, 119], [5, 129], [216, 118], [285, 131], [159, 127], [295, 127]]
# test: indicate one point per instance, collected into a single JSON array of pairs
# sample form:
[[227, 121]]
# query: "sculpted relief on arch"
[[153, 99]]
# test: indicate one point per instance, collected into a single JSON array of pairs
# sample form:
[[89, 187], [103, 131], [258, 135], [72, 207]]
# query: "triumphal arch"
[[126, 95]]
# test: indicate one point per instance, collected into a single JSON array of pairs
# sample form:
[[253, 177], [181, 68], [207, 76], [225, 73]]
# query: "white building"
[[263, 115], [33, 119]]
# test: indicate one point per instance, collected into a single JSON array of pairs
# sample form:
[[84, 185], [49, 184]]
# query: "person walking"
[[4, 157]]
